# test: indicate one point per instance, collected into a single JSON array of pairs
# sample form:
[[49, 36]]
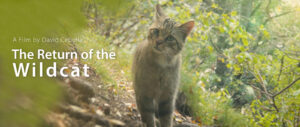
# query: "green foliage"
[[115, 8], [212, 108], [238, 56], [227, 52], [237, 63], [104, 67], [24, 101]]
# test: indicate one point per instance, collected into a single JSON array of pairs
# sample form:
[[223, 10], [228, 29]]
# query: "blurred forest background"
[[241, 63]]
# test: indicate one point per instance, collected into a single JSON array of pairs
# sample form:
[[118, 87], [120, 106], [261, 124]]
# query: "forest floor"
[[89, 102]]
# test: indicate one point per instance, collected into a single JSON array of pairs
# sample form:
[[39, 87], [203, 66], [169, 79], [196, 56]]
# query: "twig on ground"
[[86, 116]]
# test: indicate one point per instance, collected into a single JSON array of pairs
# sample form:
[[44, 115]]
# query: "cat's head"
[[166, 35]]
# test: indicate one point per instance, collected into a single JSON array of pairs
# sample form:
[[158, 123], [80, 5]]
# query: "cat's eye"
[[155, 32], [170, 38]]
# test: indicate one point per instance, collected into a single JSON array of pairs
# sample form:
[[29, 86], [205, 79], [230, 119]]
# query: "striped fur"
[[156, 67]]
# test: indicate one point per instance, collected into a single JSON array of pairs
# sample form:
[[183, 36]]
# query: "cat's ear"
[[187, 27], [159, 12]]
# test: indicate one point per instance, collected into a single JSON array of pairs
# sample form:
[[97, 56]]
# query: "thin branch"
[[273, 97], [298, 119], [260, 90], [269, 96], [255, 9], [96, 14], [270, 18], [288, 55], [126, 29], [268, 8], [281, 68], [284, 89], [262, 82], [125, 20], [274, 104], [252, 13], [216, 47]]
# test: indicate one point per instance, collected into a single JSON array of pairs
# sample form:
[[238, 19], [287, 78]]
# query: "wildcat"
[[155, 69]]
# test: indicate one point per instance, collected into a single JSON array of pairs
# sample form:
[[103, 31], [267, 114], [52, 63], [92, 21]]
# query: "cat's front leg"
[[147, 111], [165, 112]]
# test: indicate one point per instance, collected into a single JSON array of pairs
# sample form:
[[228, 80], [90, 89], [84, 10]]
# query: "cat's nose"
[[158, 42]]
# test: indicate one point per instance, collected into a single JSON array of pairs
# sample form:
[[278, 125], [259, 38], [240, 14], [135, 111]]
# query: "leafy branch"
[[272, 17], [284, 89]]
